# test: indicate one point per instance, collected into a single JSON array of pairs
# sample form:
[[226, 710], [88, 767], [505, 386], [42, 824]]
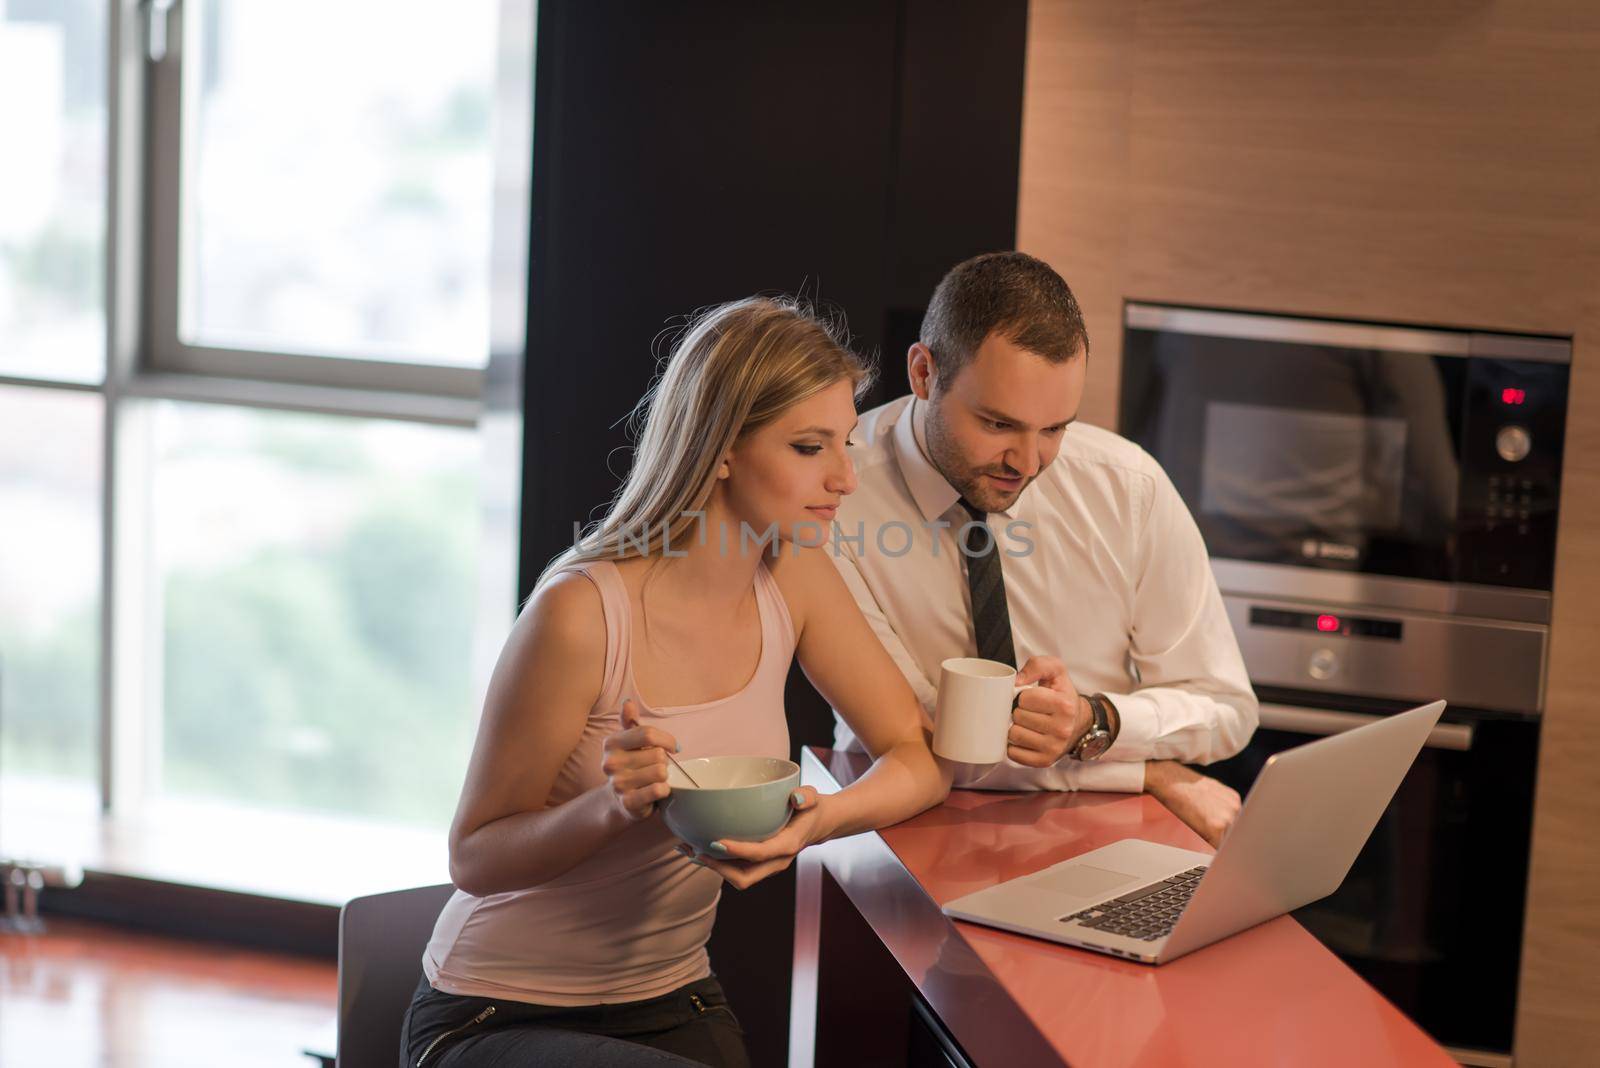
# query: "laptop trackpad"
[[1085, 880]]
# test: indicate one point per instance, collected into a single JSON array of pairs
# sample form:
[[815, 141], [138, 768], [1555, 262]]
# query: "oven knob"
[[1513, 443], [1324, 663]]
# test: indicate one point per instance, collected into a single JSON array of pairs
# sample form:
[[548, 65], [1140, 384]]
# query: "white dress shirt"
[[1104, 568]]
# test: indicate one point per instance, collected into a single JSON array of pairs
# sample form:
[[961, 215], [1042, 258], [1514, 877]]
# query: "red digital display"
[[1512, 396], [1327, 623]]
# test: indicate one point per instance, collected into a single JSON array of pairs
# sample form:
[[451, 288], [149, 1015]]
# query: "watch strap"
[[1113, 717], [1099, 729]]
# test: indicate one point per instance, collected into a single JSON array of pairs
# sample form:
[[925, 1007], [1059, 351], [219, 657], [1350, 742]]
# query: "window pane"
[[52, 188], [343, 210], [50, 504], [317, 583]]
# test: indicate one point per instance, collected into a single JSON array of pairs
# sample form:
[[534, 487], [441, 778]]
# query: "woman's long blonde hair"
[[734, 368]]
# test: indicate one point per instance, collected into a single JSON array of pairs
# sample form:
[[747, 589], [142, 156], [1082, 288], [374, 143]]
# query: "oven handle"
[[1457, 736]]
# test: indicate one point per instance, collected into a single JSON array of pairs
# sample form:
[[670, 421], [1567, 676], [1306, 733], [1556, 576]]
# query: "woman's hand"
[[636, 764], [743, 864]]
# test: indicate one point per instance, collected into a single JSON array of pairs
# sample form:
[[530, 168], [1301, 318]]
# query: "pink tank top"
[[631, 921]]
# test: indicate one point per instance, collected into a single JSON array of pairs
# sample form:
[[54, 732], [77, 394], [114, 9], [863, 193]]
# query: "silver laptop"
[[1308, 815]]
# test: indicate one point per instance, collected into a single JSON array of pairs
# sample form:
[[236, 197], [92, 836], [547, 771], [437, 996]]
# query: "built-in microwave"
[[1352, 447]]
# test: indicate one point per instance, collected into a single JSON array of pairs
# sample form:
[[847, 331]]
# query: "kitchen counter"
[[882, 976]]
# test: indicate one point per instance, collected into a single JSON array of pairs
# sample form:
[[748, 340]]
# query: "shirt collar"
[[930, 490]]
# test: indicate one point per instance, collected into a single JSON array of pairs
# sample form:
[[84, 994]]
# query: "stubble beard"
[[967, 480]]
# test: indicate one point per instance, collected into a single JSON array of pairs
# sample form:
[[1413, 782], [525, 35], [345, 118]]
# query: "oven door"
[[1379, 450], [1431, 912]]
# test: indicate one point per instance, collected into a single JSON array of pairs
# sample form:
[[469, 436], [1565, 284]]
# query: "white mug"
[[973, 716]]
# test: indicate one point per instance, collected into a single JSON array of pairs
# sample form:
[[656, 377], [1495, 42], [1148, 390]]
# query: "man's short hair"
[[1010, 292]]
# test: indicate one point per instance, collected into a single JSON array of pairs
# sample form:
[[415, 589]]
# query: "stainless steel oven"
[[1380, 504]]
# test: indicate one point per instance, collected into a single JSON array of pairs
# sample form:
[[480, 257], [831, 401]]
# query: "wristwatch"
[[1098, 738]]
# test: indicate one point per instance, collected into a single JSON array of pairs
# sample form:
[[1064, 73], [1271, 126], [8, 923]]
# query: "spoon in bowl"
[[685, 774]]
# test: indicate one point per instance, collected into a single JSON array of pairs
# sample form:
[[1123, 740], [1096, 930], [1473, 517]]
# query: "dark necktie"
[[991, 619]]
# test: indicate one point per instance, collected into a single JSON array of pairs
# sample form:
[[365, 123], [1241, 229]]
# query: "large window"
[[315, 577], [343, 211], [256, 260]]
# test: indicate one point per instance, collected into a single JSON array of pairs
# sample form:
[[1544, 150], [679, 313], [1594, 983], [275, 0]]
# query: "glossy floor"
[[87, 995]]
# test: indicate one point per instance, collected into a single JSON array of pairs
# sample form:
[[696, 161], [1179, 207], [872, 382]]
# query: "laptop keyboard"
[[1147, 913]]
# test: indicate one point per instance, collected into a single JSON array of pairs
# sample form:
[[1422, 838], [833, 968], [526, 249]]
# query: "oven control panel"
[[1390, 654], [1328, 623], [1515, 423]]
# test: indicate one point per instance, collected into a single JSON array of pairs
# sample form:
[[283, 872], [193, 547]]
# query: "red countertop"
[[1272, 995]]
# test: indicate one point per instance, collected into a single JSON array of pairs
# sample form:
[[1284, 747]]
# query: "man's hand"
[[1049, 718], [1206, 805]]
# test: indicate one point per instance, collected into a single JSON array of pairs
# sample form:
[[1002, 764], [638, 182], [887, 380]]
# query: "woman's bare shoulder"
[[802, 572], [567, 612]]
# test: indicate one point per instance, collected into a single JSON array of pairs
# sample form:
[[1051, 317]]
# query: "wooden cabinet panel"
[[1433, 162]]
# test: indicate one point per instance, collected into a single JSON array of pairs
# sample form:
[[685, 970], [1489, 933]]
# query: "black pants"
[[692, 1025]]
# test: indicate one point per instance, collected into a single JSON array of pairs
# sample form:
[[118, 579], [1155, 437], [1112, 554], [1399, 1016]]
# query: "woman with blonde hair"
[[577, 932]]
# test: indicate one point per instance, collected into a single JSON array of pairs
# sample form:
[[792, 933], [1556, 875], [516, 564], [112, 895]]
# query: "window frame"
[[170, 126], [145, 361]]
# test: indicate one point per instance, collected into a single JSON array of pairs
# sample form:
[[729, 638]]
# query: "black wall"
[[691, 153]]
